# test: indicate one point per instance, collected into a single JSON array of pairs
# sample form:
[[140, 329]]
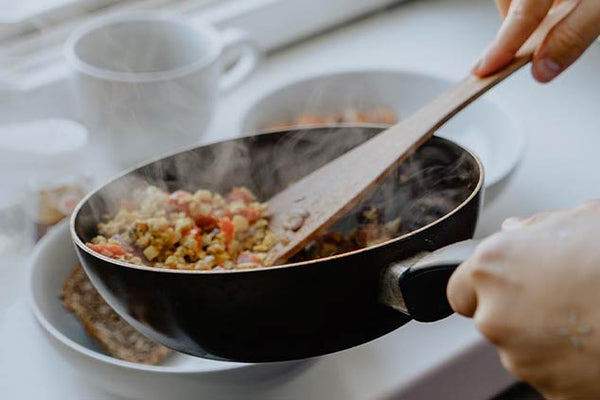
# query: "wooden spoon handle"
[[322, 197], [466, 91]]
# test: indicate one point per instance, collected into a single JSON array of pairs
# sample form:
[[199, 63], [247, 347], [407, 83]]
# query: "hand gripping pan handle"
[[417, 286]]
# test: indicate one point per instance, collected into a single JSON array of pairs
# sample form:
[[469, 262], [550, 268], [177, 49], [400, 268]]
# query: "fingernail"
[[546, 69], [481, 62], [511, 223], [476, 66]]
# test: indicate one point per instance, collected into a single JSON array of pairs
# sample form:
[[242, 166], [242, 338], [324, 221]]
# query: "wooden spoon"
[[311, 205]]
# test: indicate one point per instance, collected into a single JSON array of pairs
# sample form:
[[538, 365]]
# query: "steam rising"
[[424, 188]]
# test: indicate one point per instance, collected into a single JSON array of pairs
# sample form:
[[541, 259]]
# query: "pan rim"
[[79, 243]]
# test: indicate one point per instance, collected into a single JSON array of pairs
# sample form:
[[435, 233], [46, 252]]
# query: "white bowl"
[[485, 127], [179, 377]]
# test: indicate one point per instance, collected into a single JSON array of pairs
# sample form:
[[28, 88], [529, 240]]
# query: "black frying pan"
[[302, 309]]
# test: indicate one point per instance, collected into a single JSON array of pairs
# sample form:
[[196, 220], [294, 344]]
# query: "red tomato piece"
[[108, 250], [227, 227], [206, 222]]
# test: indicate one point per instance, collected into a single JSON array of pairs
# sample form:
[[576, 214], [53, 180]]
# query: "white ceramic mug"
[[148, 83]]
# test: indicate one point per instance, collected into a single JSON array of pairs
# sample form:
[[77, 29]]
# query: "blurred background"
[[35, 84], [81, 100]]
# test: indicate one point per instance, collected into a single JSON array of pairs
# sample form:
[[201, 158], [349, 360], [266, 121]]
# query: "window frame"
[[31, 58]]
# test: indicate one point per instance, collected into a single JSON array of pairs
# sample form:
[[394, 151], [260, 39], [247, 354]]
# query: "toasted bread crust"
[[116, 337]]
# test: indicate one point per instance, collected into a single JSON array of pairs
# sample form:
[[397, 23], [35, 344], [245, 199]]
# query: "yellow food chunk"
[[150, 253], [240, 222]]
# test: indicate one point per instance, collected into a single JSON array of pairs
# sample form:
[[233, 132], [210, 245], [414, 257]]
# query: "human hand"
[[533, 290], [561, 46]]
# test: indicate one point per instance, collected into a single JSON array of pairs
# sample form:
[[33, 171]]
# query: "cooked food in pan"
[[205, 231], [183, 230], [370, 229]]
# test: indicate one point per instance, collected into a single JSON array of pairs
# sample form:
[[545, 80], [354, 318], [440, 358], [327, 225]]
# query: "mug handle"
[[246, 64]]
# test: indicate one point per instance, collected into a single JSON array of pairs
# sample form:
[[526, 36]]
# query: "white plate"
[[180, 376], [485, 127]]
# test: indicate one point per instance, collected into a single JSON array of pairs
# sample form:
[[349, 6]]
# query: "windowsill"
[[21, 20], [35, 60]]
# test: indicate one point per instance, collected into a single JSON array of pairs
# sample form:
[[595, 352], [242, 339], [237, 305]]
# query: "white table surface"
[[447, 359]]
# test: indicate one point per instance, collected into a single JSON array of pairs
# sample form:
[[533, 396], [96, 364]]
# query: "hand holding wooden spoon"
[[560, 47], [315, 202]]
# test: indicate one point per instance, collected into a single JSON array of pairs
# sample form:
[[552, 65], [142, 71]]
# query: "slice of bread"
[[107, 328]]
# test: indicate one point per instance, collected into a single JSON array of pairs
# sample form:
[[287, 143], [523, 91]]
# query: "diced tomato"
[[239, 193], [108, 250], [206, 222], [247, 257], [251, 214], [127, 204], [227, 227]]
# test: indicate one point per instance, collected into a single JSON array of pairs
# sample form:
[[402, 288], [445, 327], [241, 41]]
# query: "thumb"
[[461, 291]]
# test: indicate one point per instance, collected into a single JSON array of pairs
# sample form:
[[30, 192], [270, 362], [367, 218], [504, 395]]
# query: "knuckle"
[[525, 13], [462, 306], [537, 218], [534, 219], [490, 250], [520, 371], [567, 41], [492, 328], [512, 223], [523, 374], [480, 270], [507, 361]]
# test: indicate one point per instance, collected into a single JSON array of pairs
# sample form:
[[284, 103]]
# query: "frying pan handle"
[[417, 286]]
